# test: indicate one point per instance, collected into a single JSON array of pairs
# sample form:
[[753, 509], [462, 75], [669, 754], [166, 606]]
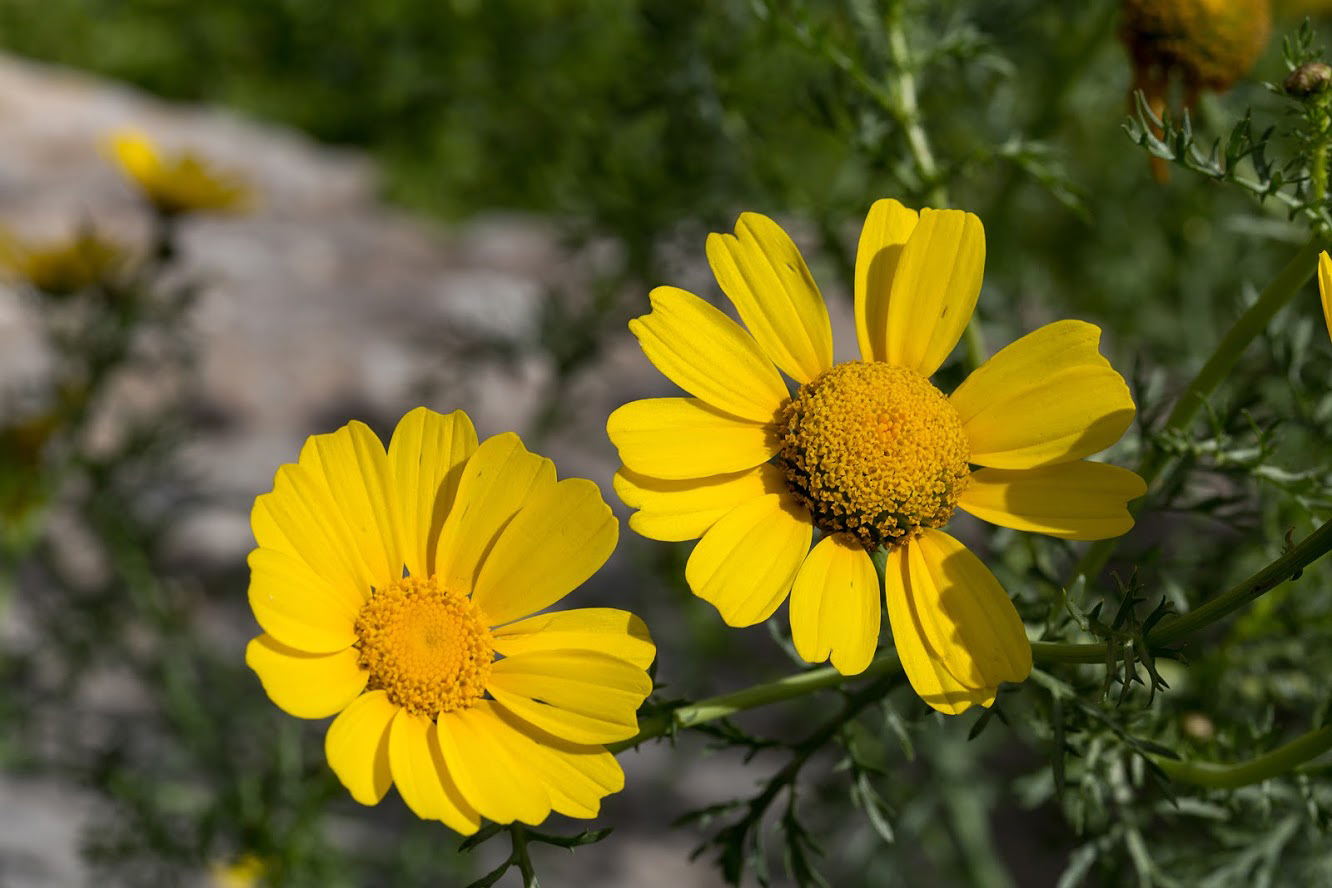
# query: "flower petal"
[[610, 631], [765, 277], [835, 609], [685, 438], [136, 155], [709, 355], [1076, 500], [684, 510], [1325, 288], [306, 685], [576, 777], [887, 229], [422, 777], [935, 287], [498, 478], [300, 518], [1047, 398], [559, 538], [956, 630], [353, 467], [357, 746], [298, 607], [427, 455], [582, 696], [479, 750], [746, 562]]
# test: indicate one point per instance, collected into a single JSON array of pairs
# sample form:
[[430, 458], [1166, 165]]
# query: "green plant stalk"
[[1282, 288], [713, 708], [1167, 632], [1279, 761], [518, 835], [906, 109], [1171, 630]]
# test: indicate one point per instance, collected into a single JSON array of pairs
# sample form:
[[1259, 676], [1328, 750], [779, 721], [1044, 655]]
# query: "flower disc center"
[[874, 450], [427, 647]]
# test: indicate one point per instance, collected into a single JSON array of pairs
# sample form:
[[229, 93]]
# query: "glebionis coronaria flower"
[[396, 590], [868, 455]]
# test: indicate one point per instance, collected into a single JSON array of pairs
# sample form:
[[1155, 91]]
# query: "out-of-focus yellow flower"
[[243, 872], [65, 267], [178, 183], [869, 453], [1201, 44], [406, 592]]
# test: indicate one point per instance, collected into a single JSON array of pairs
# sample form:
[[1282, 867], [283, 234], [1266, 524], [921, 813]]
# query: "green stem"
[[906, 109], [713, 708], [974, 341], [518, 835], [1274, 297], [1286, 567], [1277, 762], [1054, 652], [1171, 630]]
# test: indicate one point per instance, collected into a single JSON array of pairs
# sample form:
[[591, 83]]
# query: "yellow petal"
[[576, 777], [934, 289], [955, 628], [835, 607], [1047, 398], [684, 510], [587, 696], [709, 355], [306, 685], [559, 538], [685, 438], [353, 467], [614, 632], [887, 229], [480, 754], [135, 154], [745, 563], [426, 456], [357, 747], [500, 476], [765, 277], [1076, 500], [300, 519], [422, 778], [298, 607], [1325, 288]]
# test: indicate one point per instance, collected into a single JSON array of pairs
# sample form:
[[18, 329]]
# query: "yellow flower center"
[[875, 451], [427, 646]]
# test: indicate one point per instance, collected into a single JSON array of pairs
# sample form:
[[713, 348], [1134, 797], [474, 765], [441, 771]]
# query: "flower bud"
[[1307, 79]]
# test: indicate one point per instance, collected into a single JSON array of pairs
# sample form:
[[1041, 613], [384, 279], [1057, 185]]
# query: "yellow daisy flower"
[[868, 453], [394, 589], [180, 183], [244, 872], [65, 267]]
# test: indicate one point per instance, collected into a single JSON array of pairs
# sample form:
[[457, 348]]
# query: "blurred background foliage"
[[649, 123]]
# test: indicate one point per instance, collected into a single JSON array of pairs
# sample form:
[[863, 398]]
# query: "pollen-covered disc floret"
[[426, 646], [875, 451]]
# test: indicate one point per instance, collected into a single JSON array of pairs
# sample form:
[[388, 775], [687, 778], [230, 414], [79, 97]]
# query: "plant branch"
[[1278, 761]]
